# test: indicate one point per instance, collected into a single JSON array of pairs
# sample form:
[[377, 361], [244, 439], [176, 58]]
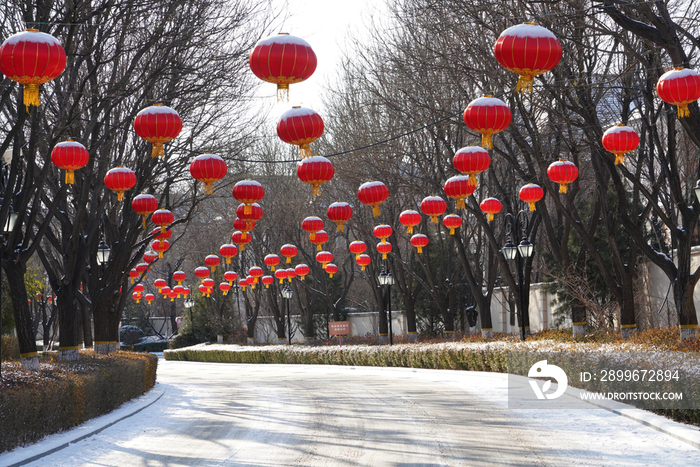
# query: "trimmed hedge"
[[62, 395]]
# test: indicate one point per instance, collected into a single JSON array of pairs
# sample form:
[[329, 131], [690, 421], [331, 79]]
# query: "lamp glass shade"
[[103, 253], [189, 303], [526, 249], [389, 280], [10, 222], [509, 251], [287, 293], [697, 190]]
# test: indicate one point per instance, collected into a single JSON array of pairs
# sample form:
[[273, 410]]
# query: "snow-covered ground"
[[283, 415]]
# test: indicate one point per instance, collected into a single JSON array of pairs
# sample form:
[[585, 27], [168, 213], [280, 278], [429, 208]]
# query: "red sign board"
[[339, 328]]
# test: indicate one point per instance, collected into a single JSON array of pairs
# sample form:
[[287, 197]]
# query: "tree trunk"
[[67, 323], [23, 319], [409, 305]]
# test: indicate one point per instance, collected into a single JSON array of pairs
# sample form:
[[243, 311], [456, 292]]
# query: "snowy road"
[[297, 415]]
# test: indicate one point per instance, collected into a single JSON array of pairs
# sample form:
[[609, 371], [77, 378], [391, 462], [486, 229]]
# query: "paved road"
[[280, 415]]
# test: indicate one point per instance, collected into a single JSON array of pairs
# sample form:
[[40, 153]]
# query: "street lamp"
[[697, 190], [189, 303], [386, 279], [287, 294], [10, 221], [103, 253], [523, 251]]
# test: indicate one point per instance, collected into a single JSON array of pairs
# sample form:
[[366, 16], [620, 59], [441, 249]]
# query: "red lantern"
[[179, 276], [185, 292], [228, 251], [139, 288], [528, 50], [253, 215], [300, 126], [324, 257], [433, 206], [212, 261], [230, 276], [339, 212], [159, 284], [384, 248], [178, 290], [225, 287], [331, 269], [471, 160], [141, 268], [144, 204], [289, 251], [208, 168], [150, 297], [248, 192], [158, 124], [562, 172], [373, 194], [150, 256], [320, 238], [452, 222], [241, 239], [161, 246], [162, 235], [487, 115], [383, 232], [243, 226], [137, 296], [531, 194], [256, 272], [133, 274], [282, 60], [460, 188], [243, 283], [620, 140], [419, 241], [363, 260], [312, 224], [32, 58], [203, 289], [357, 247], [315, 170], [267, 280], [272, 260], [120, 179], [680, 87], [291, 274], [409, 219], [69, 156], [208, 283], [281, 274], [163, 218], [165, 291], [251, 281], [202, 272], [302, 270], [491, 206]]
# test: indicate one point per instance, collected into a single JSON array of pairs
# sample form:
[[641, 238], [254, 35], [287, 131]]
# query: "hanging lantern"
[[172, 295], [409, 219], [149, 297], [528, 50], [32, 58], [281, 274], [120, 179], [253, 215], [363, 260], [452, 222], [158, 124], [433, 206], [291, 274], [228, 251], [202, 272], [243, 226], [320, 238], [302, 270], [144, 204], [133, 274], [163, 218], [203, 290], [271, 261], [620, 140], [471, 160], [161, 246], [141, 268], [491, 206], [289, 251], [312, 224], [373, 194], [487, 115], [248, 192], [531, 194], [179, 276], [225, 287], [419, 241], [161, 235], [315, 170], [339, 212], [282, 60], [212, 261], [331, 269], [324, 257], [383, 232], [209, 283], [159, 284], [230, 276], [267, 280], [241, 239], [208, 168], [150, 256], [679, 87], [243, 283], [251, 281], [384, 248], [256, 272], [139, 288], [562, 172], [165, 291], [300, 126], [178, 290], [357, 247], [459, 188], [137, 296], [69, 156], [185, 292]]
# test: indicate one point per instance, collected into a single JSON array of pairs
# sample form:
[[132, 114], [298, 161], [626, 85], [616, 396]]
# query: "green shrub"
[[64, 394], [180, 340], [9, 348], [147, 347]]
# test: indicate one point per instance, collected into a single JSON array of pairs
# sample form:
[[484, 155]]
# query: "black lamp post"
[[287, 294], [386, 279], [189, 303], [520, 253]]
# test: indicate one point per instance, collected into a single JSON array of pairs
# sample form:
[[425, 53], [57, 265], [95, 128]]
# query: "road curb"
[[56, 442]]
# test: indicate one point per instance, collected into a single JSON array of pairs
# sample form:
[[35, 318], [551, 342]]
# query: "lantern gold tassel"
[[331, 276], [289, 259], [247, 209], [209, 189], [312, 237], [363, 268], [318, 248], [340, 227], [486, 143], [316, 190], [143, 218], [383, 241], [282, 92], [272, 268], [420, 249], [375, 211], [452, 231], [434, 220], [619, 159], [158, 150], [70, 177], [460, 205], [682, 110], [524, 84], [120, 196], [228, 261], [532, 207], [305, 151], [31, 95], [409, 229], [384, 256], [562, 188]]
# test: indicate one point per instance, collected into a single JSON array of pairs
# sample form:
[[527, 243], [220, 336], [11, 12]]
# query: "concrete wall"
[[541, 311]]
